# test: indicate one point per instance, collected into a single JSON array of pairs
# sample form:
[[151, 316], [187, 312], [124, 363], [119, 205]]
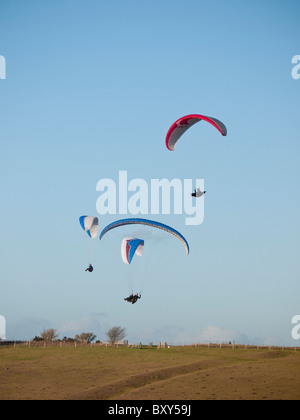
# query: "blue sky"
[[91, 88]]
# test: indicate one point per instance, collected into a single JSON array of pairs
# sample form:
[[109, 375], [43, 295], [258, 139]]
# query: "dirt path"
[[145, 382]]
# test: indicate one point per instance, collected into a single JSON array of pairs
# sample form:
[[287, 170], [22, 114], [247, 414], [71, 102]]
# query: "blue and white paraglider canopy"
[[90, 225], [152, 223]]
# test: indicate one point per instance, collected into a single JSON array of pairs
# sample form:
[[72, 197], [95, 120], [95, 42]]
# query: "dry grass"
[[148, 374]]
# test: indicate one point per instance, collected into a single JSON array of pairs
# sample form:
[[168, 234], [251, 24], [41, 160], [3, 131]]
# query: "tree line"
[[114, 334]]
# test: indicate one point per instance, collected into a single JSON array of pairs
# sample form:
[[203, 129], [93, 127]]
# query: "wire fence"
[[125, 343]]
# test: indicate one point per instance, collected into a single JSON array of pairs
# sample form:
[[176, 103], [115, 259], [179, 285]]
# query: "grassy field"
[[178, 373]]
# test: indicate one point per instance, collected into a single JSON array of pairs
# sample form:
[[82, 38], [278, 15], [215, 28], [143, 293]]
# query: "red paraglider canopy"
[[179, 127]]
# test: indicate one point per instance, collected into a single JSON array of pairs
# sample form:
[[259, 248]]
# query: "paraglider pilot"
[[197, 193], [90, 268], [133, 298], [129, 298]]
